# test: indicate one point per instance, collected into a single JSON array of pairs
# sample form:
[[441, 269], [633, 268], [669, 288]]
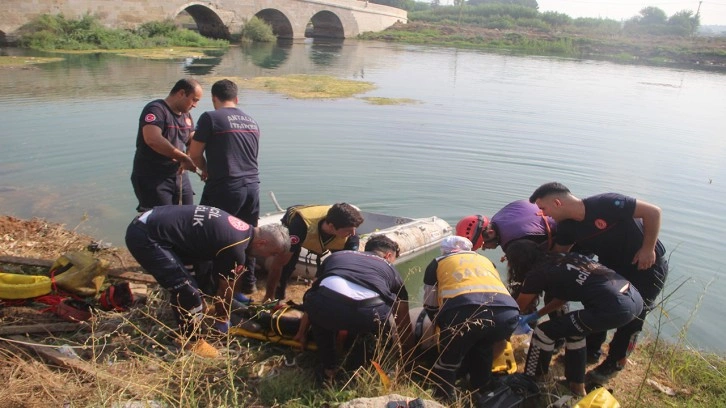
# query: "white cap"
[[455, 243]]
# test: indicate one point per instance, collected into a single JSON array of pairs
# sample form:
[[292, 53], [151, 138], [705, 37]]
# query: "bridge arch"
[[325, 24], [281, 26], [217, 18], [208, 21]]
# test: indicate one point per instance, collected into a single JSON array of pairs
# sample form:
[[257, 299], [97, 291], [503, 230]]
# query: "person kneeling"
[[467, 300], [360, 292], [609, 301]]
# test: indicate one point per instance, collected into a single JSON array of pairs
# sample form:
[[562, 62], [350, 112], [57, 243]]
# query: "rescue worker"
[[517, 220], [465, 297], [317, 228], [623, 233], [609, 301], [360, 292], [225, 147], [166, 238], [165, 130]]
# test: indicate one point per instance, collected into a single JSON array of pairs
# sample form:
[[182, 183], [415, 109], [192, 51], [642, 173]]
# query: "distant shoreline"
[[697, 53]]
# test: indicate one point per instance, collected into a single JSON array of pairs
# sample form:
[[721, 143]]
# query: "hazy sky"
[[713, 12]]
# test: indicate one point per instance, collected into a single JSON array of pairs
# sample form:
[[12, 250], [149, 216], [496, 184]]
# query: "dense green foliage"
[[526, 3], [55, 32], [651, 38], [402, 4], [520, 14], [257, 30], [500, 16], [654, 21]]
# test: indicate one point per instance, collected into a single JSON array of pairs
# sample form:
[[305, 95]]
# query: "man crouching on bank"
[[166, 238], [361, 292]]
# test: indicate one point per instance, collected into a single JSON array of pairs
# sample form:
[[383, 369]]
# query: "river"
[[486, 129]]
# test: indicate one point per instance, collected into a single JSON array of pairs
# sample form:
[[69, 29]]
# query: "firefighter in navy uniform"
[[362, 293], [166, 238], [609, 302], [225, 147], [165, 128], [623, 233], [465, 297], [317, 228]]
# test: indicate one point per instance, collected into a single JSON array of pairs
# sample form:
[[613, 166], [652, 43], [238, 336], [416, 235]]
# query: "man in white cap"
[[465, 297]]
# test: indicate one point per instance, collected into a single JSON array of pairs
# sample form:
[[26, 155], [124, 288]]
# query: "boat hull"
[[413, 235]]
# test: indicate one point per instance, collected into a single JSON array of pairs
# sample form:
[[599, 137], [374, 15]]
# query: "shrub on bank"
[[56, 32], [258, 30]]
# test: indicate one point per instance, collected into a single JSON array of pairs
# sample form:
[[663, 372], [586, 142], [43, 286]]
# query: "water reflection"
[[69, 129], [325, 51], [202, 65], [268, 55]]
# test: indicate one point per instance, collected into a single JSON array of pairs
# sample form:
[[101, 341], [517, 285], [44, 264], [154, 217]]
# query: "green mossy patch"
[[375, 100], [304, 86], [147, 53], [21, 61]]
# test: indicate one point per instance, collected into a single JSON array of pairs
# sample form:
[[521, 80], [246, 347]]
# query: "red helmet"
[[472, 227]]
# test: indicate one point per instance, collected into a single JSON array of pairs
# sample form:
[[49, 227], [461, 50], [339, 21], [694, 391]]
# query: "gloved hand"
[[222, 327], [532, 317], [522, 327]]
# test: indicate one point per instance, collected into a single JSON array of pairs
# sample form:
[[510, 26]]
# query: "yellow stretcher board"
[[271, 337]]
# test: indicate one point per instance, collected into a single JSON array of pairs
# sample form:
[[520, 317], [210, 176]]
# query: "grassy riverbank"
[[55, 32], [131, 356], [521, 30]]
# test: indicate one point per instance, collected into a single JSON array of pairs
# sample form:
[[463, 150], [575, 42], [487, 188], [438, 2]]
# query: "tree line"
[[650, 20]]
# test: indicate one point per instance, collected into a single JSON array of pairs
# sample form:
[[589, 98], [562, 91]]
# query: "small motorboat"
[[413, 235]]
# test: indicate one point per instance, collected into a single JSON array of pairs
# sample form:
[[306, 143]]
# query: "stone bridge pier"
[[292, 19]]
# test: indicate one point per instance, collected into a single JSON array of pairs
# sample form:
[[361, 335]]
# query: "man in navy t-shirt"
[[361, 292], [623, 233], [166, 238], [225, 147], [165, 129]]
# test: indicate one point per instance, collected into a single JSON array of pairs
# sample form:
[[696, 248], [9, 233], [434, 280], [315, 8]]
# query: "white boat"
[[413, 235]]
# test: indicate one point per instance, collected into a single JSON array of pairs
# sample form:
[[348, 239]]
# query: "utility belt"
[[333, 295]]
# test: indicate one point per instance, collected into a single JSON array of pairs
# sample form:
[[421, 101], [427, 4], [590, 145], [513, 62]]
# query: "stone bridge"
[[217, 18]]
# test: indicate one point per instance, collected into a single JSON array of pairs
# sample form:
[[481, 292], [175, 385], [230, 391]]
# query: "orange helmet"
[[472, 227]]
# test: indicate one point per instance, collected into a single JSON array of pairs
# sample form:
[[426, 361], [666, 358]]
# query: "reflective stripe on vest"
[[467, 272], [312, 215]]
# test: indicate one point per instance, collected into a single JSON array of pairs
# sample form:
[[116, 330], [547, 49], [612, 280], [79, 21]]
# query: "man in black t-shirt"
[[166, 238], [360, 292], [623, 233], [165, 129], [225, 147]]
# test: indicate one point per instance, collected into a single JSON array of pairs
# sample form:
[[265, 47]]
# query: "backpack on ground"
[[509, 391]]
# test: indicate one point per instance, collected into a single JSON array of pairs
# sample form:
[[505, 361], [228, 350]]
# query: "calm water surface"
[[487, 130]]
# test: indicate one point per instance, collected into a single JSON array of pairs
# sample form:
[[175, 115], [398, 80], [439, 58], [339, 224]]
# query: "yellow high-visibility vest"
[[312, 215], [467, 272]]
